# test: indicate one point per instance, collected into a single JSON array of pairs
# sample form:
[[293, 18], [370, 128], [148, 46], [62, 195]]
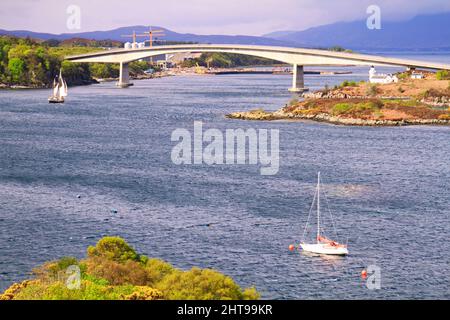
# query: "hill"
[[117, 34]]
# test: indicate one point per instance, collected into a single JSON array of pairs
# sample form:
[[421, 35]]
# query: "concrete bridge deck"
[[298, 57]]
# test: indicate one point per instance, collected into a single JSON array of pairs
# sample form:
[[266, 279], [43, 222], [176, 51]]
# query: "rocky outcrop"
[[254, 115], [337, 94], [324, 117], [437, 101]]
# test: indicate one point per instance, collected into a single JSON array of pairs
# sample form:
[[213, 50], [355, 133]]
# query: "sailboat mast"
[[318, 207]]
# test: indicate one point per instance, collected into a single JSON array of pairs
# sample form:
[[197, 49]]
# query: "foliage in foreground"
[[113, 270]]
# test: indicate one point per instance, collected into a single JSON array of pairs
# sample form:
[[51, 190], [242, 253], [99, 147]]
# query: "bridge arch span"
[[298, 57]]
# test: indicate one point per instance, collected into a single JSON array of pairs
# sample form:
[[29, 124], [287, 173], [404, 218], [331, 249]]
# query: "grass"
[[359, 109]]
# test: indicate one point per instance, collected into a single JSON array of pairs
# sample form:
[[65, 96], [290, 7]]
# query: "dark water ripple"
[[389, 189]]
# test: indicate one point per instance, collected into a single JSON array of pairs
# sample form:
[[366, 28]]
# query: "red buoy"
[[291, 248], [364, 274]]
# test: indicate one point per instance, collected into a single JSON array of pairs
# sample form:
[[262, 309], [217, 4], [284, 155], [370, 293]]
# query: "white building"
[[374, 77], [417, 75]]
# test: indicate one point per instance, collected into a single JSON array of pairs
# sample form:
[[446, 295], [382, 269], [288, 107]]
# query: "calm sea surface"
[[387, 187]]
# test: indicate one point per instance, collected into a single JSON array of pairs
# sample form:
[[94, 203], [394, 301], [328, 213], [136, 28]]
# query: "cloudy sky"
[[252, 17]]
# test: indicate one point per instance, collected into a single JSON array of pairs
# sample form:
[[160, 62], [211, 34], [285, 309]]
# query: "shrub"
[[442, 75], [115, 273], [158, 270], [347, 83], [403, 75], [198, 284], [38, 290], [113, 248], [372, 90], [144, 293], [55, 270], [251, 294]]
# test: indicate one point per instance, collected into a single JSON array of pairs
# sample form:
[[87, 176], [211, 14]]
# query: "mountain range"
[[423, 32], [117, 35]]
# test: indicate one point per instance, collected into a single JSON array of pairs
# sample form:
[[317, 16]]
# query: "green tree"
[[100, 70], [138, 67], [113, 248], [16, 67]]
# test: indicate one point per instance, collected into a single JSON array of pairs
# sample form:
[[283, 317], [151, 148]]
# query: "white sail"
[[56, 90], [59, 90], [63, 90]]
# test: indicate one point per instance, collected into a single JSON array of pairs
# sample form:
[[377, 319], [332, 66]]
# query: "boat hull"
[[327, 249], [56, 100]]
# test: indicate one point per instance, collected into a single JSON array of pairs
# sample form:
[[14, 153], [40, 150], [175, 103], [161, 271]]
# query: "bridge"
[[297, 57]]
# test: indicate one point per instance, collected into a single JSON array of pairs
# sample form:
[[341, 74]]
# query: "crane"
[[134, 36], [151, 34], [154, 33]]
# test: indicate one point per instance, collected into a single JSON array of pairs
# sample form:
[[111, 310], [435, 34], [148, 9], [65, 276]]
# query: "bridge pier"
[[298, 81], [124, 78]]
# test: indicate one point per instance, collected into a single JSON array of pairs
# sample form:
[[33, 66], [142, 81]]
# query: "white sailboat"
[[323, 245], [60, 90]]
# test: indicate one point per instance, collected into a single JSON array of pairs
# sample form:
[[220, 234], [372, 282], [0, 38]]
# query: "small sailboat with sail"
[[60, 90], [323, 245]]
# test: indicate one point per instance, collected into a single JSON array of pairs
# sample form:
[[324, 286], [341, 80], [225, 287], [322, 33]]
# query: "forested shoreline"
[[28, 63]]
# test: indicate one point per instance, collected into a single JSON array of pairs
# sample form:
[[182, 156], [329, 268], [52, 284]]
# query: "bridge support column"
[[298, 82], [124, 78]]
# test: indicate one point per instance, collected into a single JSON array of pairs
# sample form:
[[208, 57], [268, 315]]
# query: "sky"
[[244, 17]]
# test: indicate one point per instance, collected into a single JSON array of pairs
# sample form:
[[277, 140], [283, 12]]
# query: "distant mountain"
[[279, 34], [116, 35], [424, 32]]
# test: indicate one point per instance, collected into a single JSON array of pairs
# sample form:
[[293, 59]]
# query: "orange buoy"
[[291, 248], [364, 274]]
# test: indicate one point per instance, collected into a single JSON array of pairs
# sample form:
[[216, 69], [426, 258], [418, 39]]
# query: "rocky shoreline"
[[326, 118], [19, 87]]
